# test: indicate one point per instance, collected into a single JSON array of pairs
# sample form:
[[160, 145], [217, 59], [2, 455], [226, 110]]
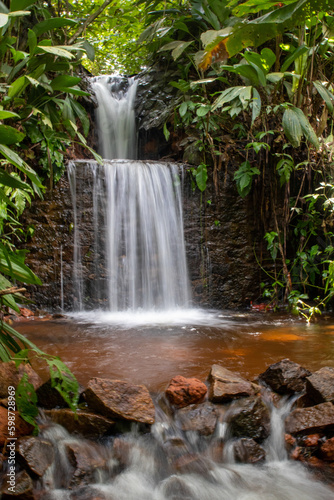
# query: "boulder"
[[182, 391], [11, 376], [327, 450], [35, 454], [226, 385], [285, 377], [82, 422], [22, 428], [311, 420], [250, 418], [23, 488], [84, 459], [320, 385], [48, 397], [248, 451], [118, 399], [201, 418]]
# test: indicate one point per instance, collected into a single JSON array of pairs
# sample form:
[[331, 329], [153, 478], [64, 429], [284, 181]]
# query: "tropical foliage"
[[263, 70]]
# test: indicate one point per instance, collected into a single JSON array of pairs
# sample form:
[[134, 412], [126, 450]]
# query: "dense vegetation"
[[258, 70]]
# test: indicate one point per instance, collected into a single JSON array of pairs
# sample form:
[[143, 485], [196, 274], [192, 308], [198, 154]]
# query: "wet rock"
[[290, 442], [90, 493], [175, 447], [118, 399], [175, 488], [22, 428], [311, 420], [35, 454], [250, 417], [83, 422], [312, 440], [285, 377], [121, 451], [248, 451], [182, 391], [11, 376], [48, 397], [192, 463], [23, 489], [226, 385], [327, 450], [201, 418], [320, 385], [85, 459]]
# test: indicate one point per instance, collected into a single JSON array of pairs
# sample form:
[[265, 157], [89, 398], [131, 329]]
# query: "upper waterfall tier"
[[115, 117], [129, 250]]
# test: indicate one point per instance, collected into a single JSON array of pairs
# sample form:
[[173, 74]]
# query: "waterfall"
[[115, 116], [129, 249]]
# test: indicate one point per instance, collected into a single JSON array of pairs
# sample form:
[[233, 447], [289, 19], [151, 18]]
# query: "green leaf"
[[178, 51], [10, 135], [12, 266], [9, 299], [52, 23], [64, 382], [17, 161], [299, 51], [203, 110], [56, 51], [26, 401], [17, 87], [81, 113], [166, 132], [201, 177], [8, 114], [183, 108], [26, 342], [20, 4], [255, 105], [32, 41], [89, 49], [292, 127], [63, 81], [13, 182], [325, 94]]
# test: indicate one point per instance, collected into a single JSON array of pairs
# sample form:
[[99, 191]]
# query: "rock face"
[[23, 488], [226, 385], [248, 451], [201, 418], [320, 385], [118, 399], [10, 376], [84, 460], [250, 417], [285, 377], [310, 420], [183, 391], [37, 455], [83, 422], [22, 428]]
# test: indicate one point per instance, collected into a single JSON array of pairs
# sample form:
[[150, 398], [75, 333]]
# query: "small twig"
[[13, 289]]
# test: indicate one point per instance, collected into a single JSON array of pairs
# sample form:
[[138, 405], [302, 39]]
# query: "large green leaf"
[[12, 266], [8, 299], [52, 23], [56, 51], [13, 182], [63, 81], [8, 114], [292, 127], [327, 96], [201, 176], [81, 114], [17, 161], [20, 4], [10, 135]]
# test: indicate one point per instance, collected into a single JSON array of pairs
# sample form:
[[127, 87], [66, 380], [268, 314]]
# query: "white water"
[[115, 117], [150, 472]]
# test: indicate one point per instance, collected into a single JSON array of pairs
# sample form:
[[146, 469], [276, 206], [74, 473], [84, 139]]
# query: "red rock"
[[297, 454], [183, 391], [11, 376], [118, 399], [226, 385], [27, 313], [327, 450], [312, 440], [22, 428], [290, 441]]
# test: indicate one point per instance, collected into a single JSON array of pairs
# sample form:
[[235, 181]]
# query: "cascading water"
[[132, 210]]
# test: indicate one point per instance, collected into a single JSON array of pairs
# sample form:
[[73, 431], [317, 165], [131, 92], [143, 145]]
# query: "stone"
[[48, 397], [327, 450], [312, 440], [22, 428], [11, 376], [248, 451], [226, 385], [250, 417], [191, 463], [86, 423], [320, 385], [201, 418], [311, 420], [23, 488], [36, 454], [175, 488], [285, 377], [85, 459], [121, 400], [182, 391], [90, 493]]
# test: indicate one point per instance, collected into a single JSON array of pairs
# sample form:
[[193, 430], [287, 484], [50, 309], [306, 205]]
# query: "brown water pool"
[[150, 349]]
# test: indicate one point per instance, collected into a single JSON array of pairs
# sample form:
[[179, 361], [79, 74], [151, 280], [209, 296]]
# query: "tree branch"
[[9, 291], [89, 20]]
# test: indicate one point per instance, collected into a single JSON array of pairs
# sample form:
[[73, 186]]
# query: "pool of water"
[[151, 348]]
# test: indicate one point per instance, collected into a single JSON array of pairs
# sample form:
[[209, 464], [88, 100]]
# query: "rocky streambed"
[[222, 438]]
